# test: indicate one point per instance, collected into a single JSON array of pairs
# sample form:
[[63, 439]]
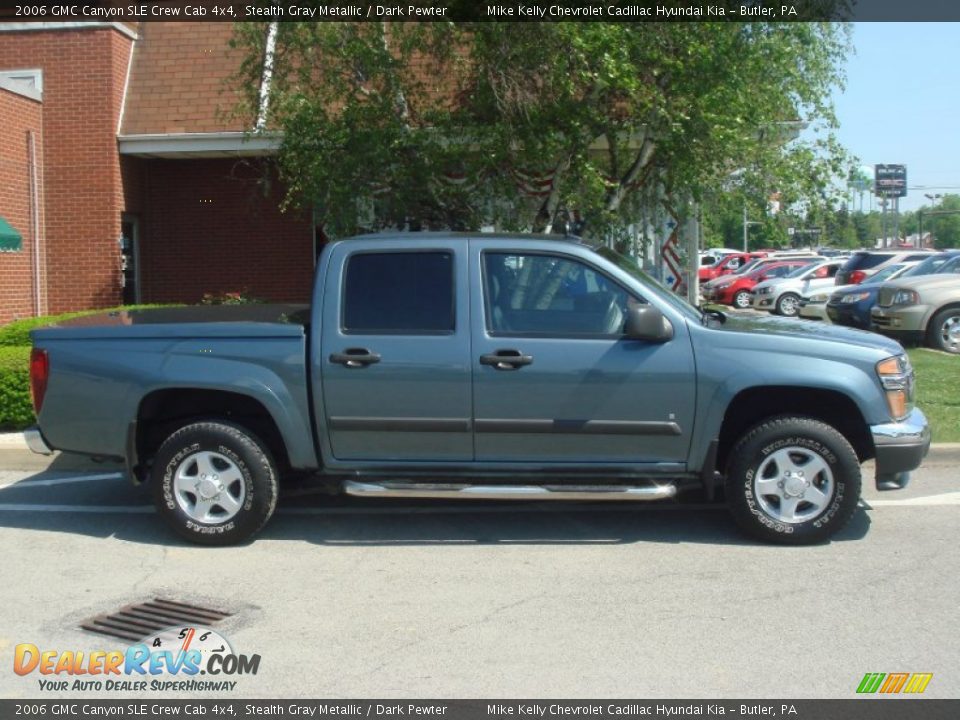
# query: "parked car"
[[782, 296], [850, 305], [728, 264], [437, 365], [736, 290], [864, 263], [923, 309], [813, 305]]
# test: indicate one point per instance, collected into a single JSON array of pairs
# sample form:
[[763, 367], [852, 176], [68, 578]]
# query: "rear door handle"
[[506, 359], [355, 357]]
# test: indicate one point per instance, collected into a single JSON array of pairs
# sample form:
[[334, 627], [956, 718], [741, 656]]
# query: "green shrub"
[[240, 297], [16, 410], [17, 333]]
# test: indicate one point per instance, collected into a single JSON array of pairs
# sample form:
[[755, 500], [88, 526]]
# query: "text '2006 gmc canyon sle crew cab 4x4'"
[[480, 366]]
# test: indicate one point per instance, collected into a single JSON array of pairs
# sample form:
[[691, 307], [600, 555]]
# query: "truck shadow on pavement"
[[108, 506]]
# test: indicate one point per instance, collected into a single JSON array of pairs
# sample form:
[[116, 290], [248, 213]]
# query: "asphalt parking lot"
[[355, 598]]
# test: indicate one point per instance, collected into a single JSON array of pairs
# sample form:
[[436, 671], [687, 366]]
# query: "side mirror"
[[645, 322]]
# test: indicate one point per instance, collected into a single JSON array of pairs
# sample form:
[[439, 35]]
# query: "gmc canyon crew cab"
[[480, 366]]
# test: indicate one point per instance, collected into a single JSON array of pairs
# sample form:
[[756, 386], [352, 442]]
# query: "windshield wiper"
[[707, 315]]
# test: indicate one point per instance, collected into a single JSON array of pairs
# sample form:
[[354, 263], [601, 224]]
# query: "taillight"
[[856, 277], [39, 373]]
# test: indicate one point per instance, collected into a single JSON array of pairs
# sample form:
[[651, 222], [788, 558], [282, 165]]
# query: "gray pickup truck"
[[481, 366]]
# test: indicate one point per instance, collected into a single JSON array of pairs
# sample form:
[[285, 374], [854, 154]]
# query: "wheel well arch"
[[753, 405], [162, 412], [949, 306]]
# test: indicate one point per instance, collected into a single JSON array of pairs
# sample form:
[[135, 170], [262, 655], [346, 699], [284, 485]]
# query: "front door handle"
[[506, 359], [355, 357]]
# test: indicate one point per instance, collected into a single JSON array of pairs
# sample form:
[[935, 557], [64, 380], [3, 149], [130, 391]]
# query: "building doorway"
[[130, 259]]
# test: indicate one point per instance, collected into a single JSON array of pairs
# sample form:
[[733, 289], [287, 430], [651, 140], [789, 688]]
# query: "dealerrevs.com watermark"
[[178, 659]]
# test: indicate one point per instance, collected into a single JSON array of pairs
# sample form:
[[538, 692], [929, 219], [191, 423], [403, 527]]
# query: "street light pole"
[[746, 227]]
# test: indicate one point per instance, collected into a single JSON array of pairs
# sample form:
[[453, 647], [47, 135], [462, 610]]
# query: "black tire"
[[798, 510], [787, 305], [742, 299], [248, 488], [944, 332]]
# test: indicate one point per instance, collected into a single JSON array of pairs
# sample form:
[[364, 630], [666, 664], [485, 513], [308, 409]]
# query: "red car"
[[729, 264], [737, 290]]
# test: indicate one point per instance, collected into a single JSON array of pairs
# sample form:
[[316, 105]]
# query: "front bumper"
[[35, 441], [900, 448], [813, 311], [847, 315], [900, 320]]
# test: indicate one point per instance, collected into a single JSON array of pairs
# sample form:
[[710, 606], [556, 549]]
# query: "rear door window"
[[399, 293]]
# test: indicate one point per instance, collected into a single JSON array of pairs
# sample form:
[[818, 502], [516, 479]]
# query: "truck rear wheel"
[[214, 483], [793, 480]]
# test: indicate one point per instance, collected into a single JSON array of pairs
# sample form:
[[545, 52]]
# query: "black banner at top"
[[31, 11]]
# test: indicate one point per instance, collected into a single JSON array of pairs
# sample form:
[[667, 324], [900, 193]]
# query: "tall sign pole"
[[890, 183]]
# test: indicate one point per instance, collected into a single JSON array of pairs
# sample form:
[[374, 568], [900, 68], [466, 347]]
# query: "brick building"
[[128, 178]]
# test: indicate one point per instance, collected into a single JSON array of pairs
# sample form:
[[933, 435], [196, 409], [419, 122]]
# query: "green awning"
[[10, 239]]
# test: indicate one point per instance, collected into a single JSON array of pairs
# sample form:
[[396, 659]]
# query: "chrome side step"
[[452, 491]]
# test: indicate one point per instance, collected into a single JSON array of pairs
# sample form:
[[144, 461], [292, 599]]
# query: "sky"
[[901, 104]]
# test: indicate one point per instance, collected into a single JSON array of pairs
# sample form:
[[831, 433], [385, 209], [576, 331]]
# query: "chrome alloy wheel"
[[793, 485], [742, 300], [789, 304], [209, 487], [950, 333]]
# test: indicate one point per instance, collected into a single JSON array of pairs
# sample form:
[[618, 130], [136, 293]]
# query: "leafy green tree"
[[945, 228], [867, 228], [458, 124]]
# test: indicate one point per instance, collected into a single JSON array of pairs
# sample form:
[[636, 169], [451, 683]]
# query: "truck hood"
[[808, 330]]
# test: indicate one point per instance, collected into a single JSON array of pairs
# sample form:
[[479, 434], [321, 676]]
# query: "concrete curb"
[[13, 443]]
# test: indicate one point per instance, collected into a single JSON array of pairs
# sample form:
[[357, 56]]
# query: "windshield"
[[950, 266], [634, 271], [891, 271], [749, 267], [798, 272], [928, 266]]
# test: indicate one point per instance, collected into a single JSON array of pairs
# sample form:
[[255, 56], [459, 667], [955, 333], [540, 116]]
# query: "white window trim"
[[23, 78]]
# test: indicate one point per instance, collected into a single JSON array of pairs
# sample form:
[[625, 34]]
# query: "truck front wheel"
[[793, 480], [214, 483]]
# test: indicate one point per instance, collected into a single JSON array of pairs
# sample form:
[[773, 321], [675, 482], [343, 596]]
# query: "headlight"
[[765, 291], [906, 297], [821, 298], [896, 376], [854, 297]]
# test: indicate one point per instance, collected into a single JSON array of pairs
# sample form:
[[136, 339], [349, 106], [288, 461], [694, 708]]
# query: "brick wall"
[[182, 80], [19, 116], [84, 72], [208, 226]]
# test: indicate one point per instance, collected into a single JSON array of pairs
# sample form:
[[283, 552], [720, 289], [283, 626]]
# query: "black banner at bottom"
[[854, 709]]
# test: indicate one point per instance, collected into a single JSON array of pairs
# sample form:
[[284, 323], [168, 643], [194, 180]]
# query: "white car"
[[782, 295]]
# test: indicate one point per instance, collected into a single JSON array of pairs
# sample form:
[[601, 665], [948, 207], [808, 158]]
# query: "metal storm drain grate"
[[134, 622]]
